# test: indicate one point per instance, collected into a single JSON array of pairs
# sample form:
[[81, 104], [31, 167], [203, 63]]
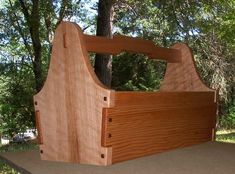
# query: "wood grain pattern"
[[71, 103], [140, 129], [38, 126], [123, 43], [82, 121], [127, 98], [183, 76]]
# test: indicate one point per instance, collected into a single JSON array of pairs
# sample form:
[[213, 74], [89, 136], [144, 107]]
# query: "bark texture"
[[103, 63], [33, 22]]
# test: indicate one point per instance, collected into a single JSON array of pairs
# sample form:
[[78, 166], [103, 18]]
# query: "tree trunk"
[[33, 23], [34, 31], [103, 63]]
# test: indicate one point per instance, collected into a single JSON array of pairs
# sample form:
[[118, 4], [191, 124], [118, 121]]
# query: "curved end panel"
[[71, 102], [183, 76]]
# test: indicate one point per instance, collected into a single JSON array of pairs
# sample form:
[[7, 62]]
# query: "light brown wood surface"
[[183, 76], [71, 102], [140, 128], [73, 109], [123, 43], [162, 98]]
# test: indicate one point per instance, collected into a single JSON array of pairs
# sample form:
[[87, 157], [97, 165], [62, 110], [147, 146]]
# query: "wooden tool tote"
[[80, 120]]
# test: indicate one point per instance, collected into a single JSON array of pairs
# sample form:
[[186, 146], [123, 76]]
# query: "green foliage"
[[227, 136], [17, 89], [206, 26], [136, 72], [5, 169], [17, 109], [228, 120], [18, 80]]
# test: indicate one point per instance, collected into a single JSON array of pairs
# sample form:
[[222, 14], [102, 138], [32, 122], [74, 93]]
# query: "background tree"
[[27, 29], [103, 63], [199, 24], [26, 33]]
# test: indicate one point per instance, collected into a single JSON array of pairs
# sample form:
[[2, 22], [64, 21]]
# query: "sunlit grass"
[[5, 169], [227, 136]]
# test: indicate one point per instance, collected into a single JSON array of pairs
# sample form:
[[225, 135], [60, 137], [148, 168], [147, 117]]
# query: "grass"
[[4, 168], [227, 136], [15, 147]]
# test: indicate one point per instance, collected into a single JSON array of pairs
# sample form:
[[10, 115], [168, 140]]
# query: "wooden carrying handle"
[[119, 44], [38, 126]]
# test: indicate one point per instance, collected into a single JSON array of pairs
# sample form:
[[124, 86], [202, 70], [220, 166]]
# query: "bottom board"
[[206, 158]]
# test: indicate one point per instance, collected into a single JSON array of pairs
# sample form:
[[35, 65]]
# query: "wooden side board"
[[183, 76], [138, 128], [163, 98], [70, 103]]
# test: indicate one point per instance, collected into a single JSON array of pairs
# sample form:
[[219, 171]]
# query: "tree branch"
[[62, 11], [18, 28], [25, 11]]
